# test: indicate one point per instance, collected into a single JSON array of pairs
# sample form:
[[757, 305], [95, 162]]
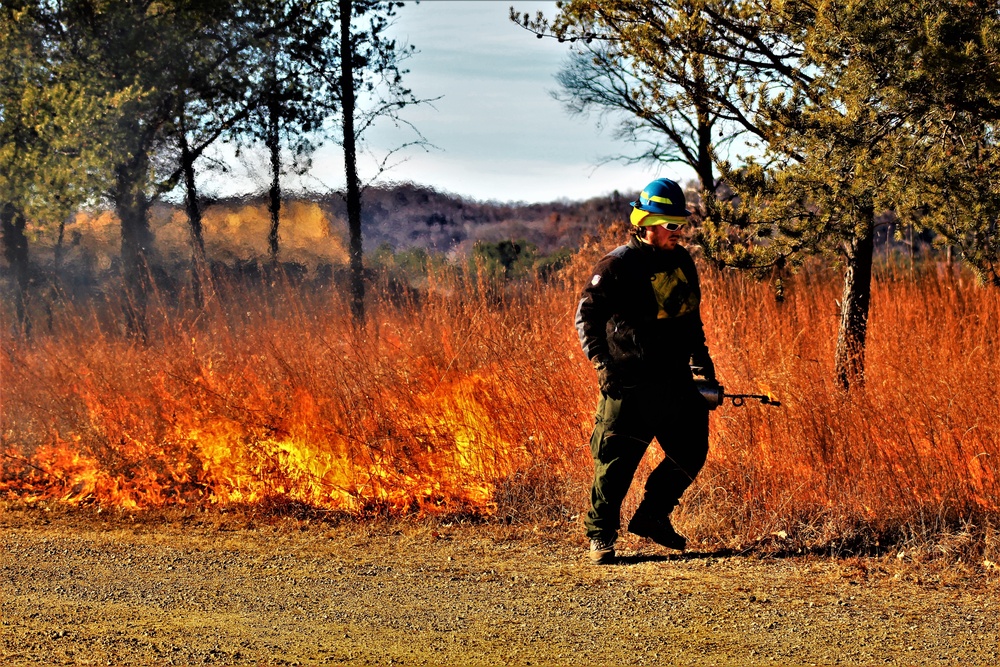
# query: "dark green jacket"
[[641, 312]]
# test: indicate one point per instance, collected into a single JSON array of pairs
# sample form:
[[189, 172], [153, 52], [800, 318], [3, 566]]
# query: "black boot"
[[658, 529]]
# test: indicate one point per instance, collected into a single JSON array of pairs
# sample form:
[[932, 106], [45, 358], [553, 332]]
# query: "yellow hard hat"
[[640, 218]]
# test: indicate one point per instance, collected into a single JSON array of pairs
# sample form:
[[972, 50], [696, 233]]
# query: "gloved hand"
[[704, 361], [609, 384]]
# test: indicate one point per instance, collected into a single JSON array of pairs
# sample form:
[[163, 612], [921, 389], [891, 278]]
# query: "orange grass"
[[466, 399], [915, 450], [270, 394]]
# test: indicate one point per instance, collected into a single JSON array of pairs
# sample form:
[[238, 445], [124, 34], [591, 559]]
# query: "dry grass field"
[[261, 482], [470, 398]]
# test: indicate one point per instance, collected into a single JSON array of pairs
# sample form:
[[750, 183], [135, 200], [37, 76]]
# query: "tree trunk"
[[706, 172], [850, 356], [60, 248], [274, 147], [351, 164], [132, 206], [15, 251], [194, 223], [54, 286]]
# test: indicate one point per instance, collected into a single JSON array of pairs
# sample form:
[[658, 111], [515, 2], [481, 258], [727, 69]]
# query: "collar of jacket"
[[641, 246]]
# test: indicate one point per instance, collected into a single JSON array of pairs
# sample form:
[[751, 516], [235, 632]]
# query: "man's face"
[[660, 237]]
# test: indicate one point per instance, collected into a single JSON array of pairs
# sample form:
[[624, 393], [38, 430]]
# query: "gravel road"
[[91, 589]]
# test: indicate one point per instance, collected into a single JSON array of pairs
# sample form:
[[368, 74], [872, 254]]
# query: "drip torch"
[[716, 394]]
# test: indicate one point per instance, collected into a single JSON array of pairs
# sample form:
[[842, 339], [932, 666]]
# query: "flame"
[[61, 472], [220, 461], [441, 406]]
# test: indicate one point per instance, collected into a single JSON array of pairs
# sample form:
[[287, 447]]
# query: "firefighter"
[[639, 324]]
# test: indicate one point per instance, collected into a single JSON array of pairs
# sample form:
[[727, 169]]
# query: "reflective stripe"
[[658, 200]]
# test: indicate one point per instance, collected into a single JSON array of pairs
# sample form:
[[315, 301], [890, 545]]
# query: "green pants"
[[677, 416]]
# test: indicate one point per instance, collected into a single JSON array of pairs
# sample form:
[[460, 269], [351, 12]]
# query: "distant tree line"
[[846, 114], [119, 102]]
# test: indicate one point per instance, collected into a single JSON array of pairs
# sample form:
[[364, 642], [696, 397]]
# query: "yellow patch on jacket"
[[674, 294]]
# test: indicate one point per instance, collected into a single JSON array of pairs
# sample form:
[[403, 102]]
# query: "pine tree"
[[131, 51], [658, 70], [845, 138], [951, 180], [49, 148], [839, 97]]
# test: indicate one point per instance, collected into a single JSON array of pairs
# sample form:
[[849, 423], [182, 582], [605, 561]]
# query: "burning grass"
[[463, 399], [277, 395]]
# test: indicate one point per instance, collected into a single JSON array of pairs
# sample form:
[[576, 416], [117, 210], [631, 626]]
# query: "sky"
[[498, 134]]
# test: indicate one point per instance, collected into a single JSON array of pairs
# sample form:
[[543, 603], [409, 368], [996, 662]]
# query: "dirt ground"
[[85, 589]]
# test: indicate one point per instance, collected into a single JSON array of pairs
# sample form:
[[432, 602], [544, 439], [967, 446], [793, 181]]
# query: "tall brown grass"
[[912, 453], [475, 397]]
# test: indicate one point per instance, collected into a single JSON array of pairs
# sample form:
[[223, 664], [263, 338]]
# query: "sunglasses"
[[673, 226]]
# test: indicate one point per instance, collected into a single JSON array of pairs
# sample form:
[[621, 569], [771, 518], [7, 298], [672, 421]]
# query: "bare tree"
[[370, 65]]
